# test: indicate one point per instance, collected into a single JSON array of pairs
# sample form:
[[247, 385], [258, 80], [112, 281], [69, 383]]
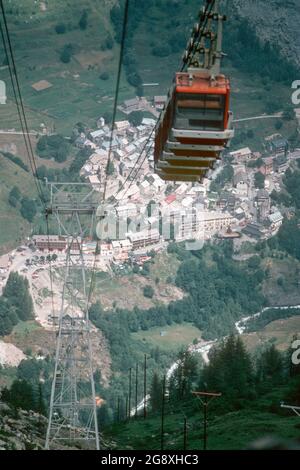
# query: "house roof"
[[93, 179], [98, 133], [4, 261], [244, 151], [279, 143], [132, 102], [146, 234], [262, 193], [160, 99], [276, 217], [122, 125], [171, 198], [240, 177], [148, 122]]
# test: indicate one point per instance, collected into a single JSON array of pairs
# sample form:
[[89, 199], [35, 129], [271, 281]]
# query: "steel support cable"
[[116, 98], [208, 9], [139, 168], [39, 191], [18, 97], [137, 161], [23, 121], [50, 268], [120, 64]]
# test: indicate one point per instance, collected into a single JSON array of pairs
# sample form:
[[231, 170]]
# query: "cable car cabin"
[[195, 127]]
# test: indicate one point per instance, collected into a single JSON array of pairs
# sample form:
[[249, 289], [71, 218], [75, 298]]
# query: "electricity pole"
[[73, 411], [129, 393], [205, 398], [295, 409], [163, 413], [145, 387], [136, 389]]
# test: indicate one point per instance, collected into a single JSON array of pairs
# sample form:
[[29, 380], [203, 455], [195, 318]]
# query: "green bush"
[[60, 28], [148, 292]]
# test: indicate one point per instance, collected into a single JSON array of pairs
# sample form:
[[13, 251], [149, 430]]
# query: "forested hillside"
[[252, 389], [15, 303]]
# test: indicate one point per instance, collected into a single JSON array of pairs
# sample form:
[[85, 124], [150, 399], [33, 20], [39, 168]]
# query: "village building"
[[144, 238], [97, 136], [5, 263], [50, 243], [268, 164], [281, 164], [255, 230], [160, 101], [121, 249], [128, 210], [149, 122], [241, 184], [276, 220], [121, 127], [263, 204], [242, 155], [279, 146]]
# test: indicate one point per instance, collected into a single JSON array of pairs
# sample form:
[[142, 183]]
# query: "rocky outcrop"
[[274, 21], [21, 430]]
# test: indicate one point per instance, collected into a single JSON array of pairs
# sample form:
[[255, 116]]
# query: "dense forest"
[[258, 323], [232, 371], [15, 303], [249, 53], [219, 291], [251, 388]]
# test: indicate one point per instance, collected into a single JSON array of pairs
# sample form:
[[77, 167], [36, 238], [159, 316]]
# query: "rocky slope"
[[275, 21], [21, 430]]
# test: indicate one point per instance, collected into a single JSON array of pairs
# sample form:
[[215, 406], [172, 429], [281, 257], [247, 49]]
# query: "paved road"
[[18, 133], [263, 116]]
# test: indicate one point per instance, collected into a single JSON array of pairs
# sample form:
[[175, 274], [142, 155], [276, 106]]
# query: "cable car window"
[[200, 111]]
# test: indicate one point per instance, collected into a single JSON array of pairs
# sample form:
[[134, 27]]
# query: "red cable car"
[[196, 124], [194, 128]]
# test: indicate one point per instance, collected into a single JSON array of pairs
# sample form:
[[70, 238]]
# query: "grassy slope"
[[279, 332], [77, 93], [109, 289], [286, 269], [173, 338], [13, 228], [252, 423], [249, 95]]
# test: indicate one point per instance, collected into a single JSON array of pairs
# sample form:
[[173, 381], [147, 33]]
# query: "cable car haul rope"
[[196, 123]]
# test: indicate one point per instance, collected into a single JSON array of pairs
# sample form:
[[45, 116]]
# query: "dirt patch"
[[14, 143], [92, 58], [127, 292], [42, 85], [285, 292], [10, 355], [43, 342], [279, 332]]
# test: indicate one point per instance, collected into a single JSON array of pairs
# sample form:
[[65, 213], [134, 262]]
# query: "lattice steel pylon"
[[73, 410]]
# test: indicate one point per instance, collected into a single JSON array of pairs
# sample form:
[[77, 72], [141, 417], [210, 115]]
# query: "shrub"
[[148, 292], [104, 76], [60, 28]]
